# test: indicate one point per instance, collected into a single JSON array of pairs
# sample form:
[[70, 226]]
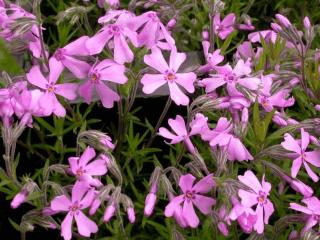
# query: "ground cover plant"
[[159, 119]]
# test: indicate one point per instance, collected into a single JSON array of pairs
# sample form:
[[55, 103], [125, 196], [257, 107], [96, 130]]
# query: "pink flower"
[[278, 99], [168, 75], [312, 210], [118, 32], [20, 198], [224, 221], [83, 170], [48, 101], [258, 196], [213, 59], [152, 30], [245, 216], [107, 70], [192, 194], [111, 3], [81, 199], [64, 57], [301, 156], [178, 125], [221, 136], [266, 34], [281, 119], [231, 77], [225, 27]]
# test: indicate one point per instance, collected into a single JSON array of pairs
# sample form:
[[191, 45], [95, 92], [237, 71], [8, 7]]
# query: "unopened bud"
[[283, 20], [205, 35], [131, 214], [276, 27], [19, 198], [307, 23], [109, 213], [171, 23], [149, 204]]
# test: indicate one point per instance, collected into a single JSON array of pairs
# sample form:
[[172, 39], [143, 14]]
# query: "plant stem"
[[163, 114]]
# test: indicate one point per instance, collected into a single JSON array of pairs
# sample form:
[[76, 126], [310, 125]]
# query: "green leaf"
[[7, 62]]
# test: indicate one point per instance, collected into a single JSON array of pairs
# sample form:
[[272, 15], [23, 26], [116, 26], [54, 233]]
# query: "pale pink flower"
[[84, 168], [152, 30], [257, 196], [301, 155], [312, 210], [245, 216], [230, 77], [192, 194], [168, 75], [118, 32], [178, 125], [48, 101], [65, 57], [225, 27], [106, 70], [81, 199]]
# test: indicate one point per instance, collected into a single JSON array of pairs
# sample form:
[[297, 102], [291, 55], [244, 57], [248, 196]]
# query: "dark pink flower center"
[[189, 195], [94, 78], [303, 155], [265, 102], [50, 87], [114, 29], [262, 198], [75, 207], [170, 76], [59, 54], [229, 78], [80, 171], [219, 28]]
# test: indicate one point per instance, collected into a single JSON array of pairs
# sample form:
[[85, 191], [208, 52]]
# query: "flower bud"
[[276, 27], [171, 23], [19, 198], [205, 35], [149, 204], [317, 107], [109, 212], [283, 20], [131, 214], [302, 188], [307, 23]]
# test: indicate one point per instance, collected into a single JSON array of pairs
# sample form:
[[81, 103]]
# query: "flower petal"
[[204, 185], [152, 82], [66, 226], [203, 203], [86, 156], [156, 60], [176, 59], [67, 90], [186, 182], [107, 96], [251, 181], [189, 214], [85, 225], [96, 168], [35, 77], [291, 144], [186, 80], [60, 203], [177, 95], [296, 165], [173, 205]]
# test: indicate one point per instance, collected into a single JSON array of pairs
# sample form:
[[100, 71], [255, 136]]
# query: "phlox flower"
[[106, 70], [226, 75], [212, 59], [245, 216], [225, 27], [48, 101], [312, 210], [168, 75], [84, 170], [192, 194], [178, 125], [301, 155], [257, 196], [81, 199], [268, 100], [118, 32], [65, 57], [152, 30]]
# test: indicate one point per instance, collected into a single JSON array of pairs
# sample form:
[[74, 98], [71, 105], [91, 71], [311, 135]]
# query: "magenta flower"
[[213, 59], [107, 70], [152, 30], [83, 170], [168, 75], [81, 199], [225, 27], [245, 216], [226, 75], [312, 210], [301, 156], [64, 57], [119, 33], [221, 136], [258, 196], [49, 102], [178, 125], [279, 99], [192, 194]]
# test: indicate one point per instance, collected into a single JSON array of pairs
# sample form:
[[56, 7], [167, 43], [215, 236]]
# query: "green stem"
[[163, 114]]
